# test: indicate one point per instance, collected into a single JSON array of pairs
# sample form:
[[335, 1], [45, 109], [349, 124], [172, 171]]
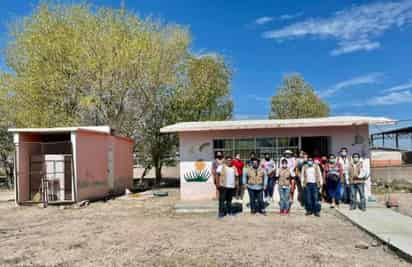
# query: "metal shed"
[[70, 164]]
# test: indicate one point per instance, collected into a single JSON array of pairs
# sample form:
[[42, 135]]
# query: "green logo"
[[197, 176]]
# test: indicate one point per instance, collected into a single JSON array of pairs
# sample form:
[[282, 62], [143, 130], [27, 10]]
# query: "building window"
[[224, 145], [244, 147], [266, 145], [275, 146]]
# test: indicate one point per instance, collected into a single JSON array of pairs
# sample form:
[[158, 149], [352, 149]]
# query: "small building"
[[71, 164], [198, 142]]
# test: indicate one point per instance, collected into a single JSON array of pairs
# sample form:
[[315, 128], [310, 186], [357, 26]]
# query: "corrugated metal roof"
[[100, 129], [271, 124]]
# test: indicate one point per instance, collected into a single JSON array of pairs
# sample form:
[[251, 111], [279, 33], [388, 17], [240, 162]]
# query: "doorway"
[[316, 145]]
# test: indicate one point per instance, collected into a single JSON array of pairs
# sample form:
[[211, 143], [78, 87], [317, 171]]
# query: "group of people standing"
[[328, 178]]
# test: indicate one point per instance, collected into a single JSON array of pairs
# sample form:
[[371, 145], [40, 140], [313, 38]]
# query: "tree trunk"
[[158, 173], [9, 173]]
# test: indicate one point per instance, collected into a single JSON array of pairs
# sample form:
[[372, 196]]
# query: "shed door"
[[110, 167]]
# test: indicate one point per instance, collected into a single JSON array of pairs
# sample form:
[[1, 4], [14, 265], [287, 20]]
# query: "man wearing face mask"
[[284, 180], [344, 161], [227, 179], [312, 181], [357, 176], [255, 179], [269, 166], [252, 156], [300, 162], [238, 163], [333, 174], [219, 160]]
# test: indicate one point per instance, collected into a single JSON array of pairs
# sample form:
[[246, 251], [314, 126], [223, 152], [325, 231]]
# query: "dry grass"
[[149, 233]]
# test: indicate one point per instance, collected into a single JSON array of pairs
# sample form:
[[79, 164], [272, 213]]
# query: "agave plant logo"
[[199, 174]]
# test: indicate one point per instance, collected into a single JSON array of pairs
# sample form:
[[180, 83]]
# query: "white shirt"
[[345, 162], [230, 173], [310, 175]]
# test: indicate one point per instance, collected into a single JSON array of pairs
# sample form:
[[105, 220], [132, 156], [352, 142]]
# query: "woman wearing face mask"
[[284, 180], [333, 173]]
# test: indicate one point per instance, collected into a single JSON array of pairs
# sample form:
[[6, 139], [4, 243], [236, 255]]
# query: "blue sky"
[[356, 54]]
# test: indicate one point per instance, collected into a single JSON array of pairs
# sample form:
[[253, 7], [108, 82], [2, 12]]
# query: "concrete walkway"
[[391, 227], [6, 195]]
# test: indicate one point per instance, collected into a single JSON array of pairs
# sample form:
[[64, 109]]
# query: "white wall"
[[199, 146]]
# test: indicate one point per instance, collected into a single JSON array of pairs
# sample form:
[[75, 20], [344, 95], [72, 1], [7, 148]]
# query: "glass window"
[[244, 147], [224, 145], [287, 143], [275, 146], [266, 145]]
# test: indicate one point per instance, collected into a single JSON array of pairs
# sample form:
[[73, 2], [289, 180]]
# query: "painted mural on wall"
[[199, 173]]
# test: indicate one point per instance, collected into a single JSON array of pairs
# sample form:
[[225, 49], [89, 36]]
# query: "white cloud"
[[354, 29], [291, 16], [392, 98], [399, 87], [263, 20], [371, 78]]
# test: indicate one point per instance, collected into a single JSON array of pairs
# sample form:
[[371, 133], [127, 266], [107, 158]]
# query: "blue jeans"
[[345, 193], [334, 190], [256, 200], [270, 187], [312, 204], [358, 188], [284, 197]]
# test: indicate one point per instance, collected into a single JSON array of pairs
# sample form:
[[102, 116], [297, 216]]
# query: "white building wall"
[[195, 146]]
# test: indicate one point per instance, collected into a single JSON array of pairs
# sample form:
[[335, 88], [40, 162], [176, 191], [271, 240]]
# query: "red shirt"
[[239, 166]]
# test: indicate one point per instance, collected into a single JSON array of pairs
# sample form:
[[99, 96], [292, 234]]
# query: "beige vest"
[[255, 176], [284, 177], [354, 172]]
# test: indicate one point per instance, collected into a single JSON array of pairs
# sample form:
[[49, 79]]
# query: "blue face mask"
[[310, 163]]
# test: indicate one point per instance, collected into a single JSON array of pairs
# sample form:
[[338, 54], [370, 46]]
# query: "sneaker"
[[308, 213], [281, 212], [317, 214], [263, 213]]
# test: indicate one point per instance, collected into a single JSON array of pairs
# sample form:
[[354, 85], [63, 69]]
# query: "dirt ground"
[[405, 202], [149, 233]]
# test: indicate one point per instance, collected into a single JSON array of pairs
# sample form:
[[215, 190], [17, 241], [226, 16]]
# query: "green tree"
[[295, 98], [80, 65], [201, 94], [6, 121]]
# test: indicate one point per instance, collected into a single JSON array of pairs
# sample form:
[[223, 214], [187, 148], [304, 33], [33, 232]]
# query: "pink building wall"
[[199, 146], [123, 163], [23, 171], [93, 165]]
